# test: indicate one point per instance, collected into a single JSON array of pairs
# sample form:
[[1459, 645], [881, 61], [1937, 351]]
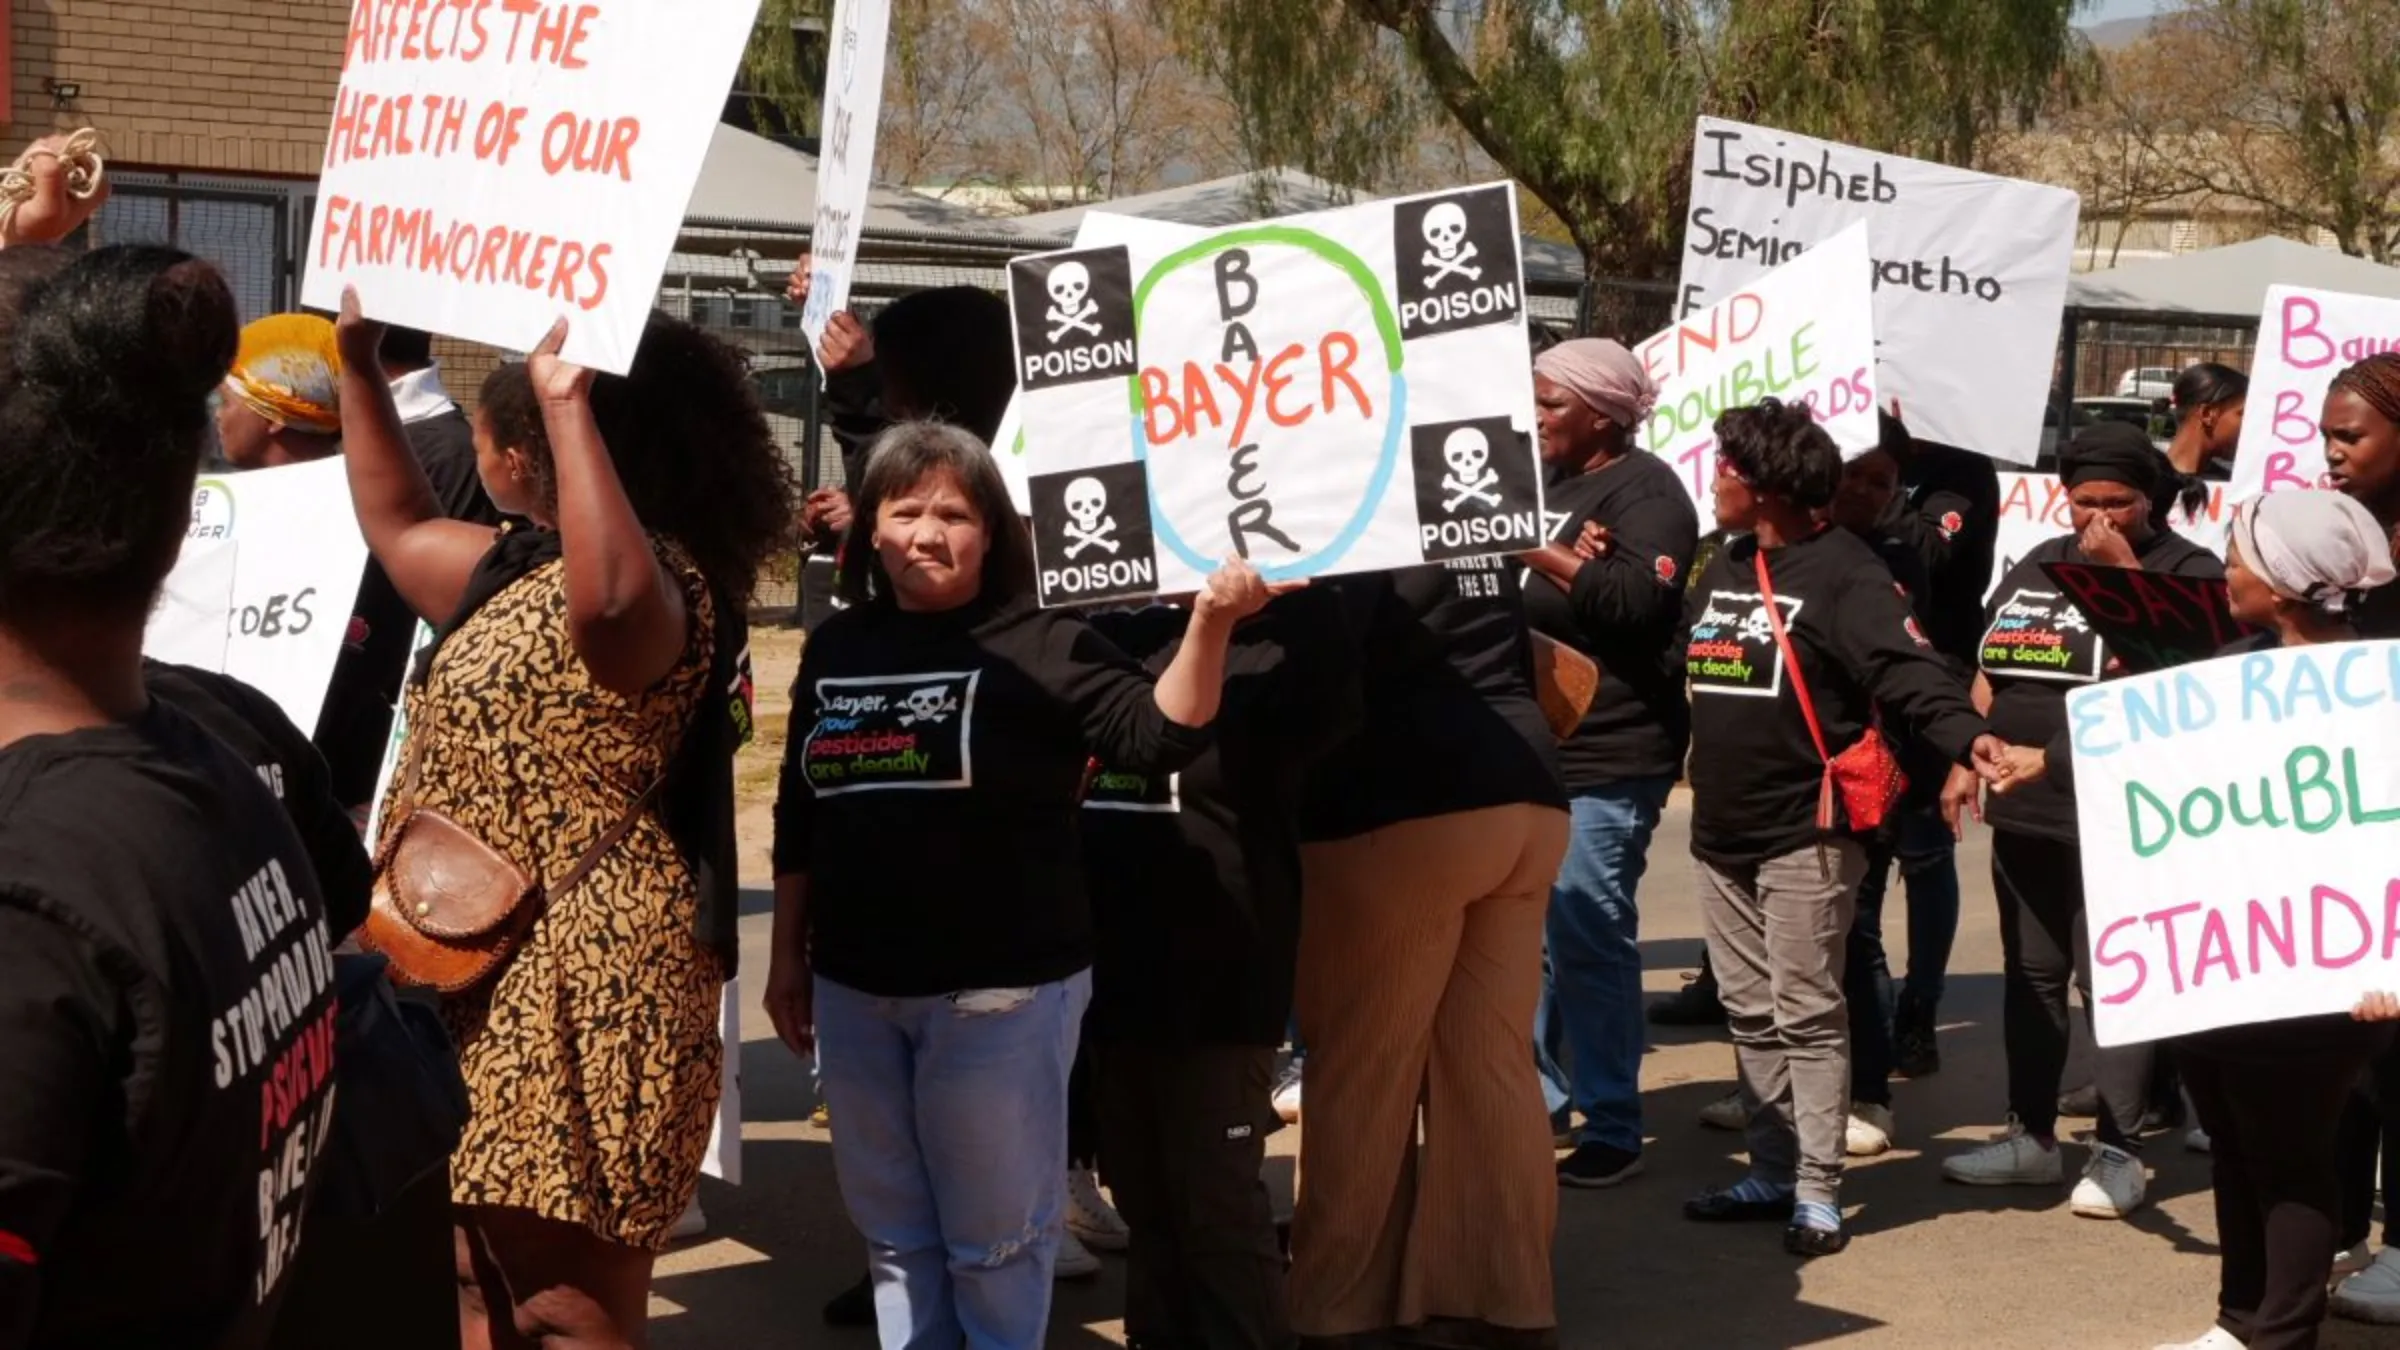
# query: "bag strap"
[[613, 836], [1791, 657]]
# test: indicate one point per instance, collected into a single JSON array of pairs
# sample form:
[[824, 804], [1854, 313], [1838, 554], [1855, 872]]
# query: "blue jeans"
[[1591, 1013], [950, 1141]]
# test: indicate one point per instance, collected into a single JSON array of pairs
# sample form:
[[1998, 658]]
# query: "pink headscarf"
[[1603, 374]]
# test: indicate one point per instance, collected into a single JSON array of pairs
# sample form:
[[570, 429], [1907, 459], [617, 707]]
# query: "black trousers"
[[2271, 1097], [2040, 886], [1183, 1133], [2371, 1136]]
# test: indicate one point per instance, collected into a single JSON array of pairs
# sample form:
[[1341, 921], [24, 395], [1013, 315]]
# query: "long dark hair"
[[905, 456], [104, 415], [690, 442]]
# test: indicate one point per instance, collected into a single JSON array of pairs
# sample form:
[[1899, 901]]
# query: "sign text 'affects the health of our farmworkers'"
[[1953, 252], [2239, 819], [845, 156], [1336, 392], [2305, 338], [1803, 333], [494, 165]]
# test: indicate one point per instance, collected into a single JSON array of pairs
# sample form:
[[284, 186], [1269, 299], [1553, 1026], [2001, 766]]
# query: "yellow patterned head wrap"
[[288, 372]]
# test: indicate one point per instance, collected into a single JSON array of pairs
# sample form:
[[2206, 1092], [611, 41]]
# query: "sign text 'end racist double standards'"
[[1272, 404], [2238, 819], [493, 165]]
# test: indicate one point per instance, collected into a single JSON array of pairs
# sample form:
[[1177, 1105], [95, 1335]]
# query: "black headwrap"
[[2112, 452]]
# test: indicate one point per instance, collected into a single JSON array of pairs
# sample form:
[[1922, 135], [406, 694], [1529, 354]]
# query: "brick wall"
[[233, 86]]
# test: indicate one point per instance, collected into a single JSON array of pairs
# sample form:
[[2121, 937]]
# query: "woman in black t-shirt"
[[930, 913], [2038, 647], [166, 976], [1798, 639]]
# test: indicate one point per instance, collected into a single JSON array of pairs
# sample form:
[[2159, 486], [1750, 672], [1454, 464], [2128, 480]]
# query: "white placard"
[[2239, 820], [1803, 333], [1970, 270], [846, 157], [1337, 392], [2305, 338], [724, 1158], [297, 562], [189, 627], [398, 740], [2033, 509], [492, 167]]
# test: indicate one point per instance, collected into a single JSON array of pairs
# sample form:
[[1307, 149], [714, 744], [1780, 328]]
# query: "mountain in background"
[[2118, 33]]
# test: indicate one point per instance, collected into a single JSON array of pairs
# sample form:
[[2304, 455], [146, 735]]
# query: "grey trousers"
[[1776, 938]]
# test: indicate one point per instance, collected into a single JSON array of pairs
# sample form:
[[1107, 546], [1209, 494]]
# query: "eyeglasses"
[[1726, 468]]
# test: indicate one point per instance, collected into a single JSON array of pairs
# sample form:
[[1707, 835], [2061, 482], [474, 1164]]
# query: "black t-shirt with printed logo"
[[1195, 876], [1755, 771], [2037, 647], [166, 1040], [1623, 612], [1452, 722], [929, 791]]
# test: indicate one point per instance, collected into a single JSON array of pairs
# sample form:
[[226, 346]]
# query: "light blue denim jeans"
[[950, 1141], [1591, 1013]]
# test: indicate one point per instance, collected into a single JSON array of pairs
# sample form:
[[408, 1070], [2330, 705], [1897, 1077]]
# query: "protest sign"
[[1803, 333], [2239, 820], [494, 165], [296, 561], [2149, 620], [1336, 392], [1969, 272], [2305, 338], [845, 156], [2033, 508]]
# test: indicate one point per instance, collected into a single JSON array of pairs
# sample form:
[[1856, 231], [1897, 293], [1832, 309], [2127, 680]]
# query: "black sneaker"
[[1598, 1166], [1695, 1005], [1915, 1054], [854, 1306]]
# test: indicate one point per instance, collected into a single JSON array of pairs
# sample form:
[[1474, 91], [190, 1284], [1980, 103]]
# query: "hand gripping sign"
[[1338, 392]]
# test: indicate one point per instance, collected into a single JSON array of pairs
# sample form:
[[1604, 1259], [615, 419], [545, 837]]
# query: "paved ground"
[[1931, 1265]]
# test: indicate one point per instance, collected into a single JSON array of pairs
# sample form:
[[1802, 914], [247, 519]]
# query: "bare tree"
[[938, 83]]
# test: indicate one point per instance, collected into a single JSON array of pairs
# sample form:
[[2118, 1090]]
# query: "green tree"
[[1589, 104], [783, 68]]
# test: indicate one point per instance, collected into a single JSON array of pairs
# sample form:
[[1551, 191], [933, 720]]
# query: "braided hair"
[[2376, 382]]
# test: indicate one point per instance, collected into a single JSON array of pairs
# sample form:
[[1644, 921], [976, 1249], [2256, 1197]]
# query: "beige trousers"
[[1420, 971]]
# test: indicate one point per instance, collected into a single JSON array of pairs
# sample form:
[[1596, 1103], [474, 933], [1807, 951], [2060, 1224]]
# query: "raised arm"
[[625, 612], [428, 558]]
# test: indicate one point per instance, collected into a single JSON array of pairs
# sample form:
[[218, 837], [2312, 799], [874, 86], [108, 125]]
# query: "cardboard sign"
[[1343, 391], [2150, 620], [2239, 820], [493, 167], [1803, 333], [846, 156], [1970, 271], [2305, 338], [2033, 508], [296, 561]]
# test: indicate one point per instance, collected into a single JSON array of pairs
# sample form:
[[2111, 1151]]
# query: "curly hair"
[[947, 354], [2376, 381], [104, 415], [1781, 451], [905, 456], [690, 443]]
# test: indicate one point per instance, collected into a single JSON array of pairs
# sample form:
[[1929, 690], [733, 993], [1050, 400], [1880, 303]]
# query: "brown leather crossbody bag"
[[448, 909]]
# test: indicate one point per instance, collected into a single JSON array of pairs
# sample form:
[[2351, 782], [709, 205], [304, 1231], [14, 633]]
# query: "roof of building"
[[2225, 283], [753, 180], [1217, 201]]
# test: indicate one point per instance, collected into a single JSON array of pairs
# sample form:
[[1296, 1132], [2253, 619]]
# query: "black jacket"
[[1949, 512]]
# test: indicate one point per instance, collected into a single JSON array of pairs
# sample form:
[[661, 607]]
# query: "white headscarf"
[[2313, 545]]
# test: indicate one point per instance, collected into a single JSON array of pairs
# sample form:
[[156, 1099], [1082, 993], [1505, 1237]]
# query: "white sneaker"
[[2013, 1158], [2112, 1187], [2196, 1140], [1090, 1216], [2218, 1338], [1870, 1131], [691, 1225], [1287, 1093], [1075, 1261], [1726, 1113], [2373, 1294]]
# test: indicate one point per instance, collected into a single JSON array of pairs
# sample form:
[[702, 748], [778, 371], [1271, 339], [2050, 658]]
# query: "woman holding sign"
[[2037, 647], [1798, 641]]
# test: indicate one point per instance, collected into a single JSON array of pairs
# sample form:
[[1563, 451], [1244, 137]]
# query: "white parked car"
[[2147, 382]]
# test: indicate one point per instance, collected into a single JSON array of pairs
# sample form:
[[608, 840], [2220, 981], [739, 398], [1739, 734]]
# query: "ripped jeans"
[[950, 1141]]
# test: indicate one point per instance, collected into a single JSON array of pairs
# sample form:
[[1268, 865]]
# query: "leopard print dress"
[[592, 1061]]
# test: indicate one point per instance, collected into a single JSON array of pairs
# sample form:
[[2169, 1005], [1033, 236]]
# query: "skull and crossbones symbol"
[[1471, 476], [1450, 253], [934, 703], [1088, 525], [1758, 627], [2071, 618], [1071, 302]]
